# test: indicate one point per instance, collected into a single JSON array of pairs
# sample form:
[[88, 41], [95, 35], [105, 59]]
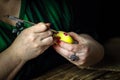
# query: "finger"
[[40, 27], [62, 51], [74, 36], [79, 38], [71, 47], [47, 41], [65, 53], [45, 34], [48, 25], [43, 49]]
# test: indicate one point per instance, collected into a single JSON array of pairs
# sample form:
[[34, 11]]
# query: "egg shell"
[[64, 37]]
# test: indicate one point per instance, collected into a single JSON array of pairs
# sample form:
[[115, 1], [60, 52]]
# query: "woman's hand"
[[87, 49], [32, 42]]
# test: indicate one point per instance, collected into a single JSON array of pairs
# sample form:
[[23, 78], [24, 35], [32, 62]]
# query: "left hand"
[[87, 49]]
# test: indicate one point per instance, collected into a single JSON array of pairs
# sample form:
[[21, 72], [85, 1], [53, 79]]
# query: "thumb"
[[48, 25], [74, 35]]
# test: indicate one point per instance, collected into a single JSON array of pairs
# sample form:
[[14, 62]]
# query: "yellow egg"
[[63, 36]]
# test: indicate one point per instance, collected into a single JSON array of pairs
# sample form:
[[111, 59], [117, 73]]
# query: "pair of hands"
[[35, 40]]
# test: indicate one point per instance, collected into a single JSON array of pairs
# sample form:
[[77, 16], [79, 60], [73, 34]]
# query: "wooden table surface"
[[71, 72], [108, 69]]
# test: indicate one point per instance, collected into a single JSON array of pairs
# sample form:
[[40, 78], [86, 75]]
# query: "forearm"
[[9, 64], [14, 72]]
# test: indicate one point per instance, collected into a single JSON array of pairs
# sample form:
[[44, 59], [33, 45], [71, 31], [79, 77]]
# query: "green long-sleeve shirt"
[[65, 15]]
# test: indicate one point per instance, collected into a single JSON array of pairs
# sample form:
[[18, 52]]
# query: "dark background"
[[97, 15], [108, 19]]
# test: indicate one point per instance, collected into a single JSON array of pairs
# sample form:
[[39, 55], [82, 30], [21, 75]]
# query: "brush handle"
[[24, 21]]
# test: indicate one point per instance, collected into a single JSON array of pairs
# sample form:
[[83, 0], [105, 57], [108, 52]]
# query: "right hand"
[[32, 42]]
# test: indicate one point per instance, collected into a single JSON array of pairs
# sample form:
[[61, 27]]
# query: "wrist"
[[14, 55]]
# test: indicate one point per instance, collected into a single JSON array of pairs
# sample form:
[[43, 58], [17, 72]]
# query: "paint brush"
[[24, 21]]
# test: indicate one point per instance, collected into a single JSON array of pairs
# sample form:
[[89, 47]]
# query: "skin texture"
[[29, 44], [33, 41], [89, 51], [9, 7]]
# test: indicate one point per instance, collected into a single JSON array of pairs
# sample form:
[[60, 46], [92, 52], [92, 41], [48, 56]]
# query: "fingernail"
[[48, 25]]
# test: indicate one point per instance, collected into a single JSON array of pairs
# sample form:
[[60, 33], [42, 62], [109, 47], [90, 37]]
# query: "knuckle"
[[73, 48], [43, 26], [81, 63], [86, 49], [35, 45], [50, 40], [32, 37], [49, 33], [71, 32], [27, 31]]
